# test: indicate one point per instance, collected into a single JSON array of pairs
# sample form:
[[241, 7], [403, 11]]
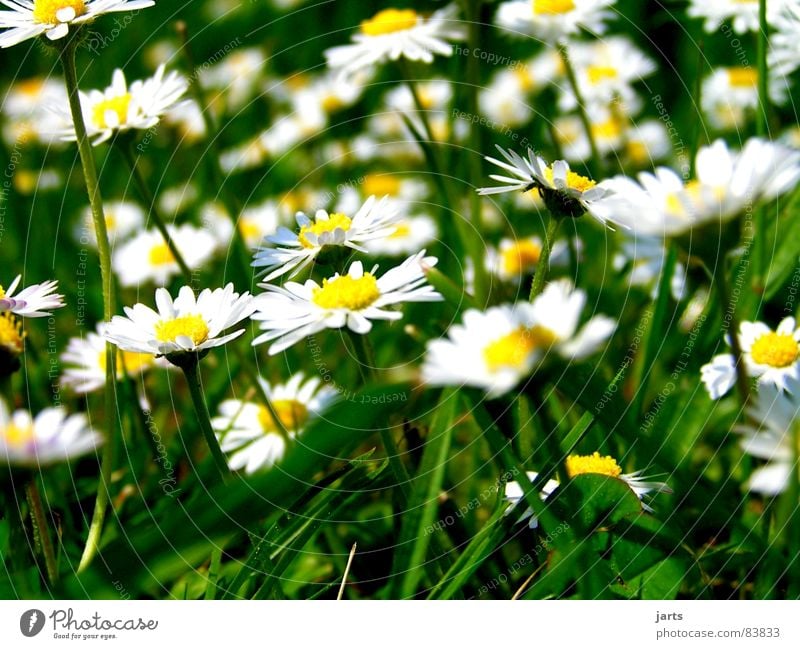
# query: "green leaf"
[[594, 501]]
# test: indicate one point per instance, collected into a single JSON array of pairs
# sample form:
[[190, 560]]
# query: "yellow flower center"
[[130, 362], [118, 105], [552, 7], [403, 230], [335, 220], [11, 335], [331, 103], [18, 436], [522, 256], [389, 21], [574, 180], [381, 185], [775, 350], [160, 255], [743, 77], [513, 349], [611, 128], [524, 78], [346, 292], [594, 463], [191, 326], [45, 11], [598, 73], [2, 292], [292, 414], [249, 229], [31, 87], [638, 152]]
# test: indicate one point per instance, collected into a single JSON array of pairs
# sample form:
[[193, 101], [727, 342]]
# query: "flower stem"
[[762, 129], [563, 52], [67, 56], [728, 308], [543, 266], [152, 209], [190, 370], [42, 531]]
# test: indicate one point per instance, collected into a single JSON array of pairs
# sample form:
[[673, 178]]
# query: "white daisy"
[[392, 34], [295, 251], [742, 13], [146, 257], [31, 301], [249, 434], [775, 417], [410, 233], [552, 20], [121, 108], [50, 437], [496, 349], [515, 259], [730, 96], [122, 219], [644, 258], [773, 357], [85, 363], [726, 184], [564, 191], [236, 77], [576, 465], [783, 57], [188, 324], [28, 107], [290, 313], [53, 18]]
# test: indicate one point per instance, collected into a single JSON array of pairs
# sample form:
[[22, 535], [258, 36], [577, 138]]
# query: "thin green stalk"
[[150, 201], [762, 128], [192, 373], [213, 572], [261, 394], [42, 529], [104, 251], [725, 303], [584, 117], [543, 265]]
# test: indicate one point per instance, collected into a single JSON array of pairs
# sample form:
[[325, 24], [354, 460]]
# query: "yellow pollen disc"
[[118, 105], [743, 77], [160, 255], [111, 221], [292, 413], [594, 463], [403, 230], [611, 128], [130, 362], [524, 78], [775, 350], [522, 256], [2, 292], [16, 436], [331, 103], [335, 220], [381, 185], [249, 230], [389, 21], [513, 349], [574, 180], [346, 292], [552, 7], [45, 11], [191, 326], [11, 335], [598, 73], [638, 152], [31, 87]]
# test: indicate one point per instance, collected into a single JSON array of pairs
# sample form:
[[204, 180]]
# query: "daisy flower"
[[12, 343], [495, 349], [121, 108], [295, 250], [187, 324], [53, 18], [552, 20], [770, 356], [146, 257], [392, 34], [31, 301], [727, 184], [290, 313], [122, 219], [730, 96], [51, 436], [783, 57], [85, 363], [742, 13], [773, 419], [248, 432], [515, 259], [593, 464], [565, 192], [410, 233], [643, 258]]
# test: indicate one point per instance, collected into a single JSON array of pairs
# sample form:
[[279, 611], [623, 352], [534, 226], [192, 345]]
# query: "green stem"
[[213, 572], [762, 128], [543, 266], [584, 117], [104, 251], [42, 530], [261, 394], [192, 373], [150, 201], [725, 303]]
